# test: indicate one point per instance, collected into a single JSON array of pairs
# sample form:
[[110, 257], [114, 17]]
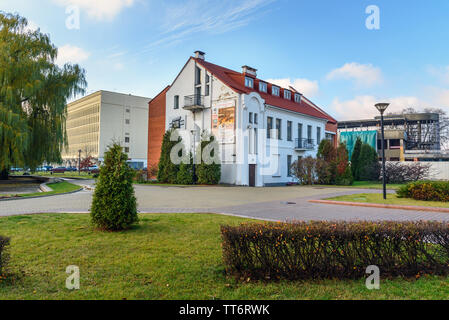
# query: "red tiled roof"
[[236, 81]]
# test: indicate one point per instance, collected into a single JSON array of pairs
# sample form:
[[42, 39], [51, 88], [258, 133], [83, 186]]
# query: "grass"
[[367, 185], [68, 174], [391, 199], [167, 256], [57, 187]]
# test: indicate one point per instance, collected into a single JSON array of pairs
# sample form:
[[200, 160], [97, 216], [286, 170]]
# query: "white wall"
[[113, 125], [438, 170], [236, 171]]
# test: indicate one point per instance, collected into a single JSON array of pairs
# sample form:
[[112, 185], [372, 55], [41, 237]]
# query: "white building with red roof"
[[261, 128]]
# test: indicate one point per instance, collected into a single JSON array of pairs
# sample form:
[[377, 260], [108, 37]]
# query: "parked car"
[[72, 169], [15, 169], [59, 170]]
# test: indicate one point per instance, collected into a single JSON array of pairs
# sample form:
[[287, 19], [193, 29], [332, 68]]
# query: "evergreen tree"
[[33, 95], [168, 171], [209, 170], [326, 150], [185, 173], [355, 159], [368, 168], [114, 205]]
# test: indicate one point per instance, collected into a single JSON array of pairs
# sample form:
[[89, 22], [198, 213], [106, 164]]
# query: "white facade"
[[118, 118], [251, 150]]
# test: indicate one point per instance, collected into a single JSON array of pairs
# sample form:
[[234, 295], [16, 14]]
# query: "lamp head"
[[382, 107]]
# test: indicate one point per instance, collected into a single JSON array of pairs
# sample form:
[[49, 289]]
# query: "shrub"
[[141, 176], [326, 151], [114, 205], [304, 170], [209, 170], [4, 257], [368, 164], [167, 171], [425, 190], [400, 172], [343, 170], [335, 249], [355, 158], [152, 171], [185, 173]]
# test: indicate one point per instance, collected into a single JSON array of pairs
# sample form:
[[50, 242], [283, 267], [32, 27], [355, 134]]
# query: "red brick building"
[[156, 127]]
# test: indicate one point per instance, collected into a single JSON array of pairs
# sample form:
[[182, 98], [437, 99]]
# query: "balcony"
[[194, 103], [304, 144]]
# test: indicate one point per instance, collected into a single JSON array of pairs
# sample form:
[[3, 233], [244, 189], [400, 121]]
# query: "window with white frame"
[[287, 94], [297, 98], [275, 91], [249, 82], [262, 87]]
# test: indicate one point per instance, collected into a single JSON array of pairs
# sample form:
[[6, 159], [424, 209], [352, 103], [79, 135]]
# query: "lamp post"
[[382, 107], [79, 162]]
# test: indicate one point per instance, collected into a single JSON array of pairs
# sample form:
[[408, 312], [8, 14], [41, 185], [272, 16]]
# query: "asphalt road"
[[279, 203]]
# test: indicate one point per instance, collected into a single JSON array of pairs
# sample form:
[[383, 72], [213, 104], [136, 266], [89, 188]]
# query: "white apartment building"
[[261, 128], [101, 118]]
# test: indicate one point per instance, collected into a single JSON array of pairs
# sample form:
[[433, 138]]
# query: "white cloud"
[[71, 54], [307, 87], [362, 74], [362, 107], [99, 9], [440, 97], [192, 17]]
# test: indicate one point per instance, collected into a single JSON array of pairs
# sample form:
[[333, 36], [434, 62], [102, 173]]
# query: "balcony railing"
[[304, 144], [194, 102]]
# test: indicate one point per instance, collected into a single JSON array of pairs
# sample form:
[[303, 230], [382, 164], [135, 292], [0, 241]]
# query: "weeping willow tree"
[[33, 96]]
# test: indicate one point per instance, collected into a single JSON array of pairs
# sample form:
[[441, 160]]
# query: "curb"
[[43, 196], [384, 206]]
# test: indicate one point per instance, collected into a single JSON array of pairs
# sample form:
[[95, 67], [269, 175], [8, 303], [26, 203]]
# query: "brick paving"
[[278, 204]]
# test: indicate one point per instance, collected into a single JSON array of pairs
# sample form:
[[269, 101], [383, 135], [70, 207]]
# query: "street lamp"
[[382, 107], [79, 162]]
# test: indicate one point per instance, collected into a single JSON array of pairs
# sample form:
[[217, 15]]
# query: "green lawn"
[[57, 187], [391, 199], [168, 256], [69, 175], [367, 185]]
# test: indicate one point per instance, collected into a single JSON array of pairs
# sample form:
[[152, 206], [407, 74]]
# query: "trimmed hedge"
[[4, 243], [425, 190], [335, 249]]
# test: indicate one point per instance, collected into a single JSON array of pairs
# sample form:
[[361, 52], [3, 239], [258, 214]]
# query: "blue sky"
[[322, 47]]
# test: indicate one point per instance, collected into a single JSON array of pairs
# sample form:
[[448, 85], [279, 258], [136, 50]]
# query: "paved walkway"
[[279, 203]]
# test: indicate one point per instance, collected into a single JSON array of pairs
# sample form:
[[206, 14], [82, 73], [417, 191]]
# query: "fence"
[[438, 170]]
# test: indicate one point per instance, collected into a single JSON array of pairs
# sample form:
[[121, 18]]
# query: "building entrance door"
[[252, 175]]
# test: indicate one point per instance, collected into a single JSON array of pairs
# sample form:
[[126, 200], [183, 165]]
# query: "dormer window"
[[249, 82], [297, 97], [287, 94], [262, 87], [275, 91]]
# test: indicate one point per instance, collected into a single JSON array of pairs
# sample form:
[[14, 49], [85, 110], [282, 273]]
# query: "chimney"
[[199, 54], [249, 71]]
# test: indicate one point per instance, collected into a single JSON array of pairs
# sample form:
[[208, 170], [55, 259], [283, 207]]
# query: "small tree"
[[304, 170], [326, 151], [209, 170], [87, 163], [185, 173], [114, 205], [355, 159], [168, 171], [343, 170], [368, 164]]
